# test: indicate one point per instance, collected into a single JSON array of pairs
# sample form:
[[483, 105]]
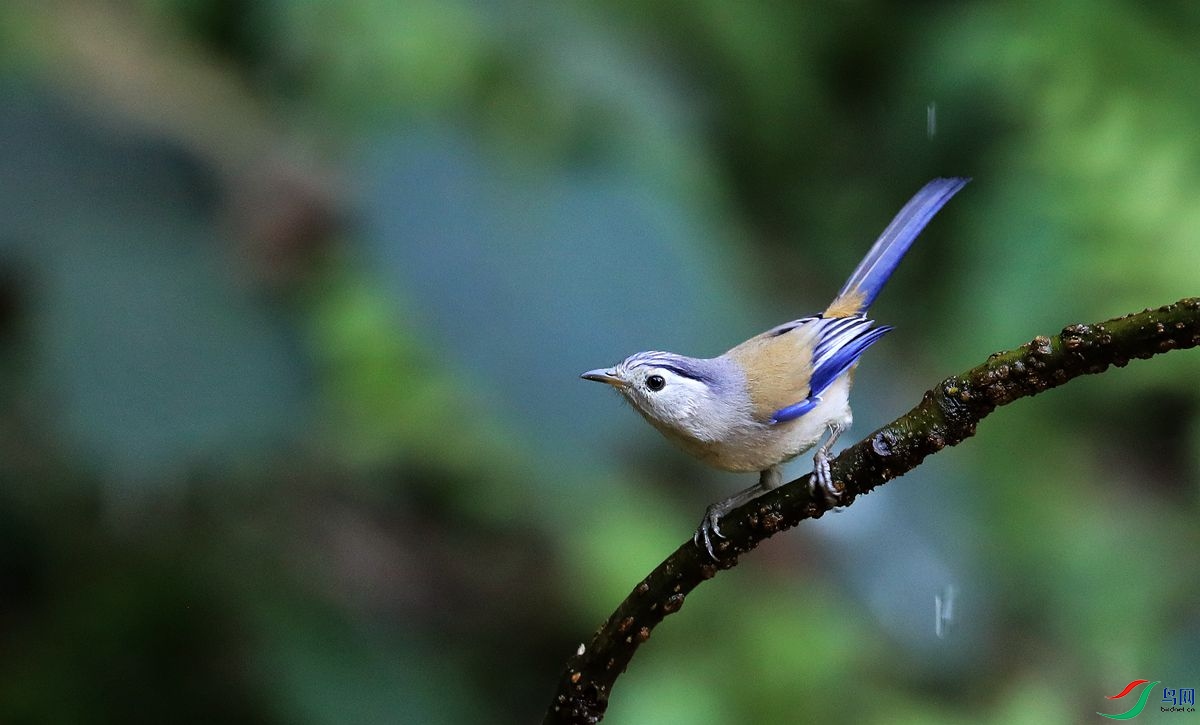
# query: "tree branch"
[[946, 416]]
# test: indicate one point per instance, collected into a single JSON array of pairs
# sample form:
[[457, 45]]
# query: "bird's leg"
[[710, 526], [821, 477]]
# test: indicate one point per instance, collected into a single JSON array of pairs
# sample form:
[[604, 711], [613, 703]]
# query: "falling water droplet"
[[943, 610]]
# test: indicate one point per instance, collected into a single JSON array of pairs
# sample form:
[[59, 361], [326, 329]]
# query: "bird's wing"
[[777, 365], [788, 367]]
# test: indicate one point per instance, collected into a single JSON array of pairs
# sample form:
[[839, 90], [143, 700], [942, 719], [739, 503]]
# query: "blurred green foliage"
[[293, 297]]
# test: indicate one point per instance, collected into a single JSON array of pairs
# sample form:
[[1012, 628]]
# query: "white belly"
[[758, 446]]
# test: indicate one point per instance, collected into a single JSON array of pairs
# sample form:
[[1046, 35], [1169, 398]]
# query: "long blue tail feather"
[[875, 268]]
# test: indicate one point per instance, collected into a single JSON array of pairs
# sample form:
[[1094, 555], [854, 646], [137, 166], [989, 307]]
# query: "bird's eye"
[[656, 382]]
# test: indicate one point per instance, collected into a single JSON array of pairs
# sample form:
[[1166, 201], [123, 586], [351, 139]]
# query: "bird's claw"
[[822, 479], [709, 527]]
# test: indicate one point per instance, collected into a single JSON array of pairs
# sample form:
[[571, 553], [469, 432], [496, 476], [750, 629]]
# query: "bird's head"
[[675, 393]]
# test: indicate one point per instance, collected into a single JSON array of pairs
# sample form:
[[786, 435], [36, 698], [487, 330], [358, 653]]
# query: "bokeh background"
[[293, 298]]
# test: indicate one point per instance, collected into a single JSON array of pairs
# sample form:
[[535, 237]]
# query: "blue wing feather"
[[795, 411], [841, 358], [841, 341]]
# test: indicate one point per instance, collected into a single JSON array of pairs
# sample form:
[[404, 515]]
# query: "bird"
[[776, 395]]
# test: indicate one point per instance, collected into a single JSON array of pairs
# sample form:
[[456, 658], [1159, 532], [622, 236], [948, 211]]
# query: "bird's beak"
[[605, 376]]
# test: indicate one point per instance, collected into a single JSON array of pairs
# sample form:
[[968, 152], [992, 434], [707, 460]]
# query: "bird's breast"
[[751, 445]]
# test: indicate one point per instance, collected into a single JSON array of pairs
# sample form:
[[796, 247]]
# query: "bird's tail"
[[874, 270]]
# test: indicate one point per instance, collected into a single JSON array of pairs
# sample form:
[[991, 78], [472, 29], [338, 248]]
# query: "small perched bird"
[[777, 394]]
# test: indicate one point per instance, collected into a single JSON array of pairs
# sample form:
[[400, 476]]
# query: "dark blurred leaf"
[[153, 350]]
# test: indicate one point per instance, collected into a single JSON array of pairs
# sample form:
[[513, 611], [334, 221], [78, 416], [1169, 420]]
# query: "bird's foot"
[[710, 527], [822, 479]]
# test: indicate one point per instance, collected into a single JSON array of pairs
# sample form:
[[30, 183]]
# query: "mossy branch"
[[946, 416]]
